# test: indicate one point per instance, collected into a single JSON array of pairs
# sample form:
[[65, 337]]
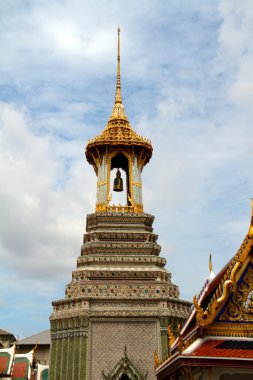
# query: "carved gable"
[[239, 306]]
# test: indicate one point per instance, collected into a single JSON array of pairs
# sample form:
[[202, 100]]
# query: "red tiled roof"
[[20, 370], [221, 348], [4, 362]]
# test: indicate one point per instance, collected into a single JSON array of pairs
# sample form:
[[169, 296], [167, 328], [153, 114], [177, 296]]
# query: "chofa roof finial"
[[211, 275], [250, 233]]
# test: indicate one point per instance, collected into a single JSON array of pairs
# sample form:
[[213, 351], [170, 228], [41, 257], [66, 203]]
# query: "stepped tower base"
[[118, 305]]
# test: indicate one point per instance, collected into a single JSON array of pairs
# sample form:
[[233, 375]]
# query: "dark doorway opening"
[[124, 377]]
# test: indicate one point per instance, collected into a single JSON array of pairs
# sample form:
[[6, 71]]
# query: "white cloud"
[[235, 42], [39, 229], [236, 29]]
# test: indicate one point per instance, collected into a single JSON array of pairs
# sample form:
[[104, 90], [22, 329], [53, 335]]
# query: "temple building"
[[26, 359], [6, 338], [216, 341], [121, 298], [41, 341]]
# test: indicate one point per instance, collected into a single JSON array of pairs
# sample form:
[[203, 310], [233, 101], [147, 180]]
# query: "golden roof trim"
[[116, 134], [205, 317]]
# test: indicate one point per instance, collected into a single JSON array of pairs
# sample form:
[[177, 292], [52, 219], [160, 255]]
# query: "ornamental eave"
[[117, 136]]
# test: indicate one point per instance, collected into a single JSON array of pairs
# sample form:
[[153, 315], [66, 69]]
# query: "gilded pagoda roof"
[[118, 131]]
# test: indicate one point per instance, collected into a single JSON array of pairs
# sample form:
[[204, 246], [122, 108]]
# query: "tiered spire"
[[118, 96], [118, 131], [118, 109]]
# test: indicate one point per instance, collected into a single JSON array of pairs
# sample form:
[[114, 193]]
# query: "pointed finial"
[[210, 263], [118, 96], [118, 108], [212, 275], [250, 233]]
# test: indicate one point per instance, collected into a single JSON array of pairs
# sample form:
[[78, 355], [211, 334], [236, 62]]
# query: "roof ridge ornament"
[[211, 275]]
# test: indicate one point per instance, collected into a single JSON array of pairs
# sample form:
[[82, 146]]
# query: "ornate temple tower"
[[121, 300]]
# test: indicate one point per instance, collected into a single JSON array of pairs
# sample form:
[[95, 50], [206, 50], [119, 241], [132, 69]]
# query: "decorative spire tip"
[[212, 275], [250, 233], [210, 263], [118, 96], [118, 108]]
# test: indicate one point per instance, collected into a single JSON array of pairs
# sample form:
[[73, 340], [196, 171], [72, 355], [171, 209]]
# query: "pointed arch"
[[125, 370]]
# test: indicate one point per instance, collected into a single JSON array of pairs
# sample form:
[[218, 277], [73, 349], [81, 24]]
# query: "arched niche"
[[120, 160]]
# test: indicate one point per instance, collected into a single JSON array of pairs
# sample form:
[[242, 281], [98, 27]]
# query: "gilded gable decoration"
[[217, 336], [234, 285], [239, 307]]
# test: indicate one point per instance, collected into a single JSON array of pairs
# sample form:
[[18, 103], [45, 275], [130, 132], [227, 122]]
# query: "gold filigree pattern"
[[118, 133], [225, 328], [101, 207], [138, 184], [240, 306], [101, 183]]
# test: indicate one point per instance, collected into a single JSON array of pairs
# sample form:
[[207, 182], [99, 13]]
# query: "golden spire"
[[118, 109], [250, 233], [118, 96]]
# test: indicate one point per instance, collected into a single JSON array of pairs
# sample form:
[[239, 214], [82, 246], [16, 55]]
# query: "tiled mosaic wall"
[[108, 340]]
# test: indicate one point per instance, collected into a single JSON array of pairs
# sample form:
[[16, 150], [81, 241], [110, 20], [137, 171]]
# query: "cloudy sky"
[[187, 83]]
